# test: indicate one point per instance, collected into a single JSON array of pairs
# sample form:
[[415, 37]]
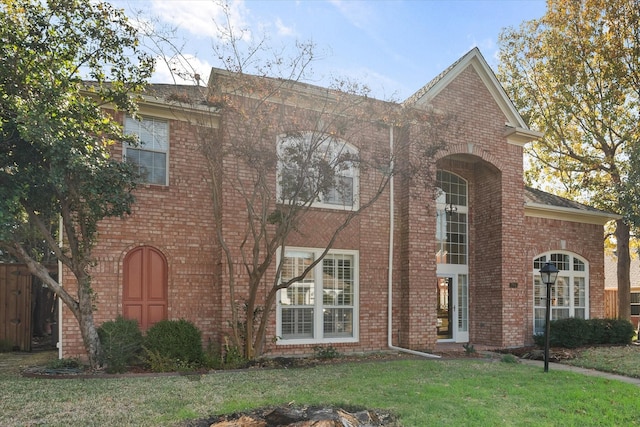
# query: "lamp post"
[[549, 274]]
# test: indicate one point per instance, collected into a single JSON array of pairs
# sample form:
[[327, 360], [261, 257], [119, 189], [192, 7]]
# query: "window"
[[635, 303], [150, 156], [569, 295], [322, 307], [451, 219], [317, 169]]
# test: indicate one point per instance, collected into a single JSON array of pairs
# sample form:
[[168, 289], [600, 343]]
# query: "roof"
[[516, 130], [539, 203]]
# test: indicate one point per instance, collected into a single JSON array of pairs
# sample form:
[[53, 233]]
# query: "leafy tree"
[[55, 139], [575, 75], [253, 97]]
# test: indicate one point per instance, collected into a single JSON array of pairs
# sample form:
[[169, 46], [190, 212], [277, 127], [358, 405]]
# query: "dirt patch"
[[295, 416]]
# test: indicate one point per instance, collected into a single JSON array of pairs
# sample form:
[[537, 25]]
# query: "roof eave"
[[540, 210], [521, 136]]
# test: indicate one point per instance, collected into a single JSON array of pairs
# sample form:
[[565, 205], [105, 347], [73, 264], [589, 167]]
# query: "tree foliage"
[[55, 138], [575, 75]]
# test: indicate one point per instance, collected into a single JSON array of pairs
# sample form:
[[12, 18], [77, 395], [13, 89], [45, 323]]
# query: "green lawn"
[[624, 360], [471, 392]]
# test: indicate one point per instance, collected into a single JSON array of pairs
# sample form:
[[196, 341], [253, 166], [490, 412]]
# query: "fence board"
[[15, 306]]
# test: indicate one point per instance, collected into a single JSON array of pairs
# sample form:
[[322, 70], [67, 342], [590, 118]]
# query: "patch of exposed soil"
[[537, 353], [292, 416]]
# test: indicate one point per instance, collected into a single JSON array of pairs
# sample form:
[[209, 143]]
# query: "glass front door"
[[452, 308], [445, 308]]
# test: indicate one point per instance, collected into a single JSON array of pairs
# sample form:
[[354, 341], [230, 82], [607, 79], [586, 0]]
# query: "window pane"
[[561, 261], [579, 298], [150, 156], [297, 323], [538, 263], [338, 322], [635, 297], [561, 292], [557, 313], [325, 175]]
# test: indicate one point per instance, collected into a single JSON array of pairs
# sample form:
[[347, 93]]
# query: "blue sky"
[[395, 47]]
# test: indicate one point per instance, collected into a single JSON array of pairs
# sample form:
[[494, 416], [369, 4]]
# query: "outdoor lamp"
[[549, 274]]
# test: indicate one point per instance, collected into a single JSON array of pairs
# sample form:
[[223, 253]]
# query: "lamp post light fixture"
[[549, 274]]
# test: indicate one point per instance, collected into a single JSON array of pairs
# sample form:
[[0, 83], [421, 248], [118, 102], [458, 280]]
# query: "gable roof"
[[517, 131], [538, 203]]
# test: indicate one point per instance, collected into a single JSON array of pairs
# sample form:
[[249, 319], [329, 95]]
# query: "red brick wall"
[[179, 221], [585, 240]]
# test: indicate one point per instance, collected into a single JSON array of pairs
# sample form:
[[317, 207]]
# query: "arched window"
[[569, 295], [451, 217], [317, 169], [144, 291]]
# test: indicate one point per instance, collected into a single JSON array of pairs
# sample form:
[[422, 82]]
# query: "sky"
[[393, 47]]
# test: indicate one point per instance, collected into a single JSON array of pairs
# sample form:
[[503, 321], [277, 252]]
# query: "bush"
[[570, 333], [179, 341], [573, 332], [121, 341]]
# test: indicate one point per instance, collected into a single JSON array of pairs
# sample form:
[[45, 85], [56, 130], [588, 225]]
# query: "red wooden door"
[[144, 291]]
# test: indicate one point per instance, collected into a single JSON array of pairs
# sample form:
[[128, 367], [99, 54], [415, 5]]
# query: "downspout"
[[60, 305], [390, 267]]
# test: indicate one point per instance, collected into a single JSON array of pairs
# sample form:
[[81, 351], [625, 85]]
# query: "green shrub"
[[570, 333], [573, 332], [177, 340], [620, 332], [121, 341], [509, 358], [328, 352]]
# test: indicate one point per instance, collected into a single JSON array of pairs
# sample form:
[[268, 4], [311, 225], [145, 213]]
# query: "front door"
[[144, 291], [452, 308]]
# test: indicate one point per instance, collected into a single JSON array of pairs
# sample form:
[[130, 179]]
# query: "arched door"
[[144, 291]]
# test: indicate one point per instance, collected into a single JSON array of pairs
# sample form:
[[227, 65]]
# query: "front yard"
[[470, 392]]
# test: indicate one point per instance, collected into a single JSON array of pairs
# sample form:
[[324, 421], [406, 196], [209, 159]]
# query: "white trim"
[[354, 173], [318, 304], [571, 275], [539, 210], [166, 152], [475, 59]]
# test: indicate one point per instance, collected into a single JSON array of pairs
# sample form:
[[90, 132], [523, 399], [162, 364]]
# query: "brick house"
[[411, 272]]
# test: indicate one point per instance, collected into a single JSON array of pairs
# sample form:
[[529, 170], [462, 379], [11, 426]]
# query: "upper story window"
[[317, 169], [451, 219], [151, 154], [570, 293]]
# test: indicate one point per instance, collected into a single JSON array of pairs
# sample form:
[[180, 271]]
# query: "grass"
[[470, 392], [623, 360]]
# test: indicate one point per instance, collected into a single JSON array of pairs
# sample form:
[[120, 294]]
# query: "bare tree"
[[278, 149]]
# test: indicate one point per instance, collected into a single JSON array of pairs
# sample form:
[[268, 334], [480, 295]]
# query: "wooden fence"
[[611, 303], [15, 306]]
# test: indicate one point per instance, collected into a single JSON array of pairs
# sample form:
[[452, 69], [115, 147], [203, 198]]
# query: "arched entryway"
[[144, 289]]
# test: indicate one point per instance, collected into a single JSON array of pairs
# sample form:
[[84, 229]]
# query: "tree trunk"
[[624, 265], [86, 321]]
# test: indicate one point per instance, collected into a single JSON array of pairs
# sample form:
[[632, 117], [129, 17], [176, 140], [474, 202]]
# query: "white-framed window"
[[635, 303], [318, 169], [569, 295], [151, 154], [322, 307], [451, 219]]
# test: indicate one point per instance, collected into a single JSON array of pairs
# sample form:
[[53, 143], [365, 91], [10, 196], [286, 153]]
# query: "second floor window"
[[150, 155], [317, 169]]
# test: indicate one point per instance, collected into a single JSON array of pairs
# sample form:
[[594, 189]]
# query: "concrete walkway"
[[584, 371]]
